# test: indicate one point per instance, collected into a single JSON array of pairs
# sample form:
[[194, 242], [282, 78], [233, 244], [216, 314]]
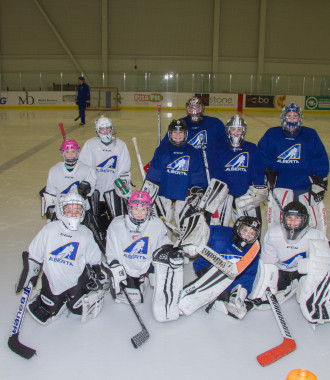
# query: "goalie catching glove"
[[123, 186], [117, 275], [30, 272], [317, 189], [252, 199]]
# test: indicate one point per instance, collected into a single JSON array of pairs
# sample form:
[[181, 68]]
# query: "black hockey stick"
[[13, 342], [77, 118], [143, 335]]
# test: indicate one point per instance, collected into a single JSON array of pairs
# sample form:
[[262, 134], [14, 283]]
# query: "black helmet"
[[294, 208], [238, 229], [177, 125]]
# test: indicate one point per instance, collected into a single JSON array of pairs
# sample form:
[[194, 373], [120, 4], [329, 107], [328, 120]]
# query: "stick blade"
[[140, 338], [276, 353], [20, 349]]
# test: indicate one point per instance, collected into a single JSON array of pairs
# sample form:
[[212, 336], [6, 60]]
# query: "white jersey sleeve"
[[285, 255], [134, 248], [64, 254]]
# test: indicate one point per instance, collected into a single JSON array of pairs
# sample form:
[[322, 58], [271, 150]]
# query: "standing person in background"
[[83, 98]]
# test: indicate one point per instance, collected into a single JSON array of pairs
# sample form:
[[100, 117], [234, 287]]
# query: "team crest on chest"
[[291, 155], [65, 254], [180, 164], [293, 261], [138, 249], [239, 163], [195, 141], [107, 165], [68, 189]]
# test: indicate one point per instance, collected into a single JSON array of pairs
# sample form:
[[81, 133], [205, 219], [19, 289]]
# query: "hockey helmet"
[[246, 231], [179, 126], [195, 109], [295, 219], [71, 209], [104, 129], [291, 123], [235, 131], [139, 207], [70, 144]]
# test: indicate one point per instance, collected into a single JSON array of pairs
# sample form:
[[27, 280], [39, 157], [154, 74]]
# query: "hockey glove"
[[271, 178], [194, 195], [317, 188], [117, 275], [84, 188], [30, 272], [123, 188]]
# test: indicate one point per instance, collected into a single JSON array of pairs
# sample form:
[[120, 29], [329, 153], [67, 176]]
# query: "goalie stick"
[[207, 171], [77, 118], [159, 110], [288, 345], [13, 342], [139, 338], [62, 131], [138, 157]]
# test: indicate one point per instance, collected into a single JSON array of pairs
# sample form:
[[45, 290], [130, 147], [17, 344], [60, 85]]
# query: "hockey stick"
[[138, 157], [279, 204], [207, 171], [288, 345], [159, 109], [62, 131], [13, 342], [139, 338], [77, 118]]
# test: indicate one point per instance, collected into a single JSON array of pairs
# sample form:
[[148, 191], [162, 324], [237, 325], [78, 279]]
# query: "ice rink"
[[202, 346]]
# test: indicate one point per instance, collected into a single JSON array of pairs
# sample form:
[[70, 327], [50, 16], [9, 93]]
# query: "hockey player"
[[131, 242], [177, 169], [213, 287], [70, 259], [65, 175], [297, 167], [240, 167], [83, 98], [111, 160], [210, 128], [295, 258]]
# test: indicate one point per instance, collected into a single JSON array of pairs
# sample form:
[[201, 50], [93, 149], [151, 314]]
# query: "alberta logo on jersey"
[[196, 142], [138, 249], [65, 254], [232, 258], [292, 262], [68, 189], [179, 166], [291, 155], [239, 163], [107, 165]]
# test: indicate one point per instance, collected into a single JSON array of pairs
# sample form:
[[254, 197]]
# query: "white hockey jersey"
[[276, 250], [109, 161], [134, 245], [64, 254], [60, 180]]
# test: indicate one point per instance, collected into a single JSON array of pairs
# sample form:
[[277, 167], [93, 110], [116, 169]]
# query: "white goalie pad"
[[195, 232], [274, 212], [47, 200], [92, 304], [253, 198], [317, 213], [163, 207], [313, 293], [126, 180], [266, 277], [151, 188], [203, 291], [224, 211], [214, 195]]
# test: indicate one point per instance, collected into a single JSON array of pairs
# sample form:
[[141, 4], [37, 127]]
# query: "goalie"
[[297, 167]]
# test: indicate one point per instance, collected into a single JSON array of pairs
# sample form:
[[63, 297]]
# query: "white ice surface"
[[202, 346]]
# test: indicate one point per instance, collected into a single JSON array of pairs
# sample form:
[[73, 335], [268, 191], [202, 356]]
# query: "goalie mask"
[[195, 109], [70, 152], [71, 209], [291, 120], [246, 231], [139, 207], [177, 132], [104, 129], [295, 219], [235, 131]]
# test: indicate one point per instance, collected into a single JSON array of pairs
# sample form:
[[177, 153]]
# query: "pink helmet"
[[69, 144], [139, 199]]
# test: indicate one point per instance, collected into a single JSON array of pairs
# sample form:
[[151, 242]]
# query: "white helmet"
[[104, 122], [72, 198], [235, 123]]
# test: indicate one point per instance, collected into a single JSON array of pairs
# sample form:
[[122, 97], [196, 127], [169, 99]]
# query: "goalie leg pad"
[[284, 196], [224, 211], [116, 205], [92, 304], [317, 213], [203, 291], [151, 188], [135, 288], [164, 207]]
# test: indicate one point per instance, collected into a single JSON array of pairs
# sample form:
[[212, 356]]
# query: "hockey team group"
[[200, 202]]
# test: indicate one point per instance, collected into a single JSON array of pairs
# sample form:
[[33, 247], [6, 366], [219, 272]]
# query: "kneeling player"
[[213, 287], [131, 241], [70, 260], [296, 260]]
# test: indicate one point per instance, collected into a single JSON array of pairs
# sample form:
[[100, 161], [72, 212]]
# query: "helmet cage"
[[70, 144], [248, 221], [177, 125], [72, 198], [291, 129], [294, 209], [235, 142], [104, 122], [139, 199], [195, 109]]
